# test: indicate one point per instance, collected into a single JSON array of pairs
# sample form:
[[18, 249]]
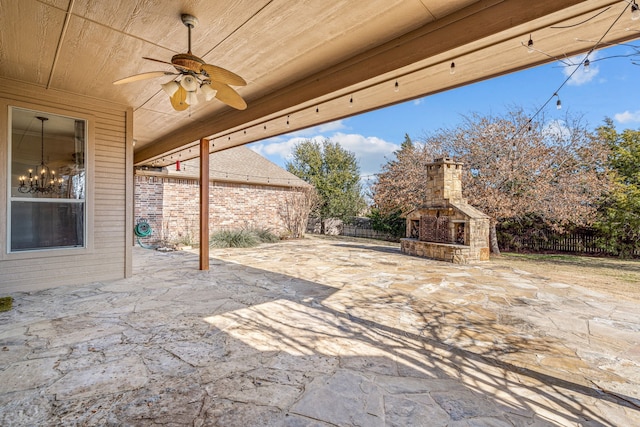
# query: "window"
[[47, 181]]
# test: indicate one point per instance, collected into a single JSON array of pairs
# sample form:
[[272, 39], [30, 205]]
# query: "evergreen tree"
[[335, 174], [620, 211]]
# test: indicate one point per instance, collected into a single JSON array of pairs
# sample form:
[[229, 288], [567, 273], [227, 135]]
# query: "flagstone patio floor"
[[319, 332]]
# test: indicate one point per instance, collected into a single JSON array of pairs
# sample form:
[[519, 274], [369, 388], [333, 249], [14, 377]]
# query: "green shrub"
[[391, 222], [242, 238], [265, 235]]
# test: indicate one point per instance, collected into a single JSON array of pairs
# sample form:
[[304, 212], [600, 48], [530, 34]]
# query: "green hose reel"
[[142, 229]]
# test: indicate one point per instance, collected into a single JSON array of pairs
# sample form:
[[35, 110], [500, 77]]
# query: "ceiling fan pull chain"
[[189, 26]]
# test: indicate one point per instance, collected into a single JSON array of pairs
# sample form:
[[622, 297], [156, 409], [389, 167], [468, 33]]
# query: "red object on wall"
[[178, 165]]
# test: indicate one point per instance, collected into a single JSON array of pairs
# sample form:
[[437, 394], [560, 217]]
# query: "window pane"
[[48, 181], [47, 156], [46, 225]]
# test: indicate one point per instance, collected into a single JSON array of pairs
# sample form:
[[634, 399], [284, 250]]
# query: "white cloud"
[[371, 152], [582, 74], [277, 147], [628, 116]]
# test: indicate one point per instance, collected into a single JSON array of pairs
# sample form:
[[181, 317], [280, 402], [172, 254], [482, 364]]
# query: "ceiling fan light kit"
[[209, 93], [170, 87], [189, 83], [193, 77]]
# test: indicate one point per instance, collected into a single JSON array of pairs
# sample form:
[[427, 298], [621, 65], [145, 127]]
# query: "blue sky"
[[611, 88]]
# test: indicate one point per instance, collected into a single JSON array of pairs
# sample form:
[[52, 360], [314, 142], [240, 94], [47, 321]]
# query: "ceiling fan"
[[193, 77]]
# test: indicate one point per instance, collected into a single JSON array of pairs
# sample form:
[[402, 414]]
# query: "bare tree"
[[400, 185], [296, 208], [516, 167]]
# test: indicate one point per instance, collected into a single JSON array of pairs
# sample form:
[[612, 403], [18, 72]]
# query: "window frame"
[[7, 253]]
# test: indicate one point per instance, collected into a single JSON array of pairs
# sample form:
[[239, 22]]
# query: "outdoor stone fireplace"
[[446, 228]]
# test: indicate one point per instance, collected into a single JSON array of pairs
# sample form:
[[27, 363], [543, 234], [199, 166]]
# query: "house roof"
[[238, 164], [306, 63]]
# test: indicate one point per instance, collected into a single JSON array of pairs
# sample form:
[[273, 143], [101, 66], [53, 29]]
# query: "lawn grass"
[[615, 276], [546, 257]]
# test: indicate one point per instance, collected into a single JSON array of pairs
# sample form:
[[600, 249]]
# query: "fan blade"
[[179, 67], [221, 75], [179, 100], [228, 95], [142, 76], [157, 60]]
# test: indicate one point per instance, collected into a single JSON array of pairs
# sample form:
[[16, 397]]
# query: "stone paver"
[[319, 332]]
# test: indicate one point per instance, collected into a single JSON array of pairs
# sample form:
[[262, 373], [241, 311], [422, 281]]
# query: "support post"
[[204, 204]]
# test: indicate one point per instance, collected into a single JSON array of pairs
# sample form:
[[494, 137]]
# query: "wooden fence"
[[356, 227], [576, 243]]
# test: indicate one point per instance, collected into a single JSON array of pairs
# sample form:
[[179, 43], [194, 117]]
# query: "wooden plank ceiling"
[[306, 62]]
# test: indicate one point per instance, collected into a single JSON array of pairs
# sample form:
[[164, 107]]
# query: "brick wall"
[[171, 207]]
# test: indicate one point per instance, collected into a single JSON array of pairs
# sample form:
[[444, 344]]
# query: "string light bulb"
[[396, 87], [558, 102], [452, 69], [587, 65], [287, 122], [635, 11], [530, 45], [351, 101]]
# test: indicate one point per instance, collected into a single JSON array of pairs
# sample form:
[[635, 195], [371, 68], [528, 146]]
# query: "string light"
[[555, 94], [635, 11], [530, 48], [558, 102]]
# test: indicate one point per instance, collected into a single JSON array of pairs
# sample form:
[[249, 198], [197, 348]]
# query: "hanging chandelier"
[[42, 179]]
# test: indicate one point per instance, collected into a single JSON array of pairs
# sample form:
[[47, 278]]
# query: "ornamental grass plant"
[[242, 238]]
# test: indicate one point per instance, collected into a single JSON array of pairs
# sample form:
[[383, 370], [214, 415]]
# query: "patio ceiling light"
[[193, 77]]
